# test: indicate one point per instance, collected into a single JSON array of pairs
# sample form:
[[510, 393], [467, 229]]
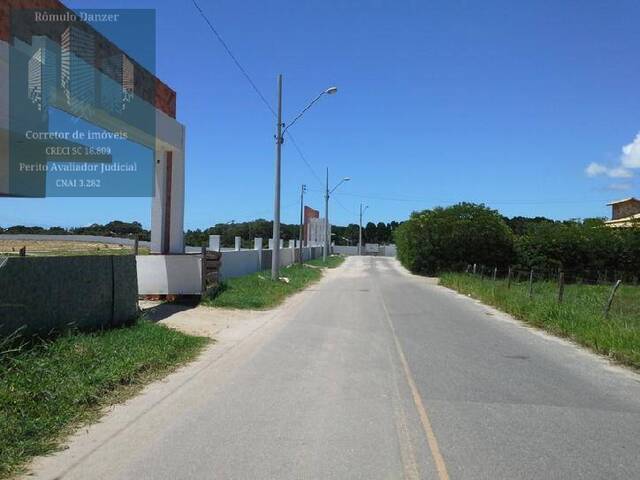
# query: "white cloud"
[[631, 154], [620, 186], [595, 169], [629, 160], [619, 172]]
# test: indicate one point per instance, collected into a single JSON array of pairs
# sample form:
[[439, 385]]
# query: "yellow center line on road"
[[438, 459]]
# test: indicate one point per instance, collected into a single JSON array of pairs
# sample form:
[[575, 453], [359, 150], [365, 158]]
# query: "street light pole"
[[360, 233], [327, 235], [362, 210], [327, 193], [302, 190], [275, 254]]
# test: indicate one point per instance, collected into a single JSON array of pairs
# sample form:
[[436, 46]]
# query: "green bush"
[[580, 246], [449, 238]]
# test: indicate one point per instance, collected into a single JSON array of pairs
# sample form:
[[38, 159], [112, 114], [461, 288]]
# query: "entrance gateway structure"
[[110, 70]]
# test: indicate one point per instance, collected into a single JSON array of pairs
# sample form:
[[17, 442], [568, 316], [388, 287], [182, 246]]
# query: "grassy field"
[[333, 261], [63, 248], [579, 317], [51, 388], [257, 291]]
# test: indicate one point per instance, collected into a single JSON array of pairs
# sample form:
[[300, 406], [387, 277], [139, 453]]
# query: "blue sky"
[[526, 108]]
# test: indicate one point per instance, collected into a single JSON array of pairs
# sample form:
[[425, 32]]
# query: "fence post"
[[495, 273], [509, 278], [257, 245], [214, 243], [531, 283], [135, 245], [203, 253], [481, 272], [560, 286], [474, 268], [610, 301]]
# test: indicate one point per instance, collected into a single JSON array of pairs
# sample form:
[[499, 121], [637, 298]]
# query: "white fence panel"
[[237, 263], [345, 250], [169, 274]]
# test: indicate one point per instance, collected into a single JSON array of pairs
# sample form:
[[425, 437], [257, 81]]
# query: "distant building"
[[624, 213], [314, 227]]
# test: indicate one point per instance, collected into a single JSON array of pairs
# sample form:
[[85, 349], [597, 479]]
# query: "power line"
[[304, 159], [235, 60], [255, 87], [498, 202], [344, 208]]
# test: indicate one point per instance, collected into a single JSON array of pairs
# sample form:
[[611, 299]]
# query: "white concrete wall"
[[244, 262], [389, 251], [170, 137], [169, 274], [345, 250], [236, 263], [287, 257], [383, 250], [182, 274]]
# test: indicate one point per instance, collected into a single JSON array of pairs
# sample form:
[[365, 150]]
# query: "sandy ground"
[[200, 320]]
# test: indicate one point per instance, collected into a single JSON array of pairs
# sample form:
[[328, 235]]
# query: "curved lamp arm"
[[328, 91]]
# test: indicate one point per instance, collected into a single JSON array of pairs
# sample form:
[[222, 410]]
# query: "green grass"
[[258, 291], [52, 387], [579, 317], [333, 261]]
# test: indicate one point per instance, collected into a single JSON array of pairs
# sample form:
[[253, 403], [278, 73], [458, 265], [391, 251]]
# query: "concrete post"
[[292, 243], [281, 243], [257, 245], [271, 244], [238, 245], [214, 243]]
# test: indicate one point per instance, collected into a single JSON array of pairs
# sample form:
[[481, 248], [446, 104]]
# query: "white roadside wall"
[[169, 274], [345, 250], [182, 274], [381, 250], [236, 263]]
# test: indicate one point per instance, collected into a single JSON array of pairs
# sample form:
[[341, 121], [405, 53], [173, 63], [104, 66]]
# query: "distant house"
[[624, 213]]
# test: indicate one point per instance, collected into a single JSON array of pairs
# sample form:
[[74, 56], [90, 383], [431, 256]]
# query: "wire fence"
[[565, 285]]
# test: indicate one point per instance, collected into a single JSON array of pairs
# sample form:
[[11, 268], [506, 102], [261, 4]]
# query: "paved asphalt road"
[[375, 374]]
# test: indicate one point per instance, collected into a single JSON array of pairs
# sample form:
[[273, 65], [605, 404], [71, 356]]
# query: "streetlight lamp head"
[[346, 179], [331, 90]]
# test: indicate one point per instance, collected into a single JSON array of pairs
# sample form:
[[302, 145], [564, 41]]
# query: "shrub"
[[449, 238], [580, 246]]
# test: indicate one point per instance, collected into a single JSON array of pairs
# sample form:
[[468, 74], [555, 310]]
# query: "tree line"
[[371, 233], [115, 228]]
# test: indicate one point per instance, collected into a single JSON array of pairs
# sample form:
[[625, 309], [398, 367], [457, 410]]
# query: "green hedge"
[[449, 239]]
